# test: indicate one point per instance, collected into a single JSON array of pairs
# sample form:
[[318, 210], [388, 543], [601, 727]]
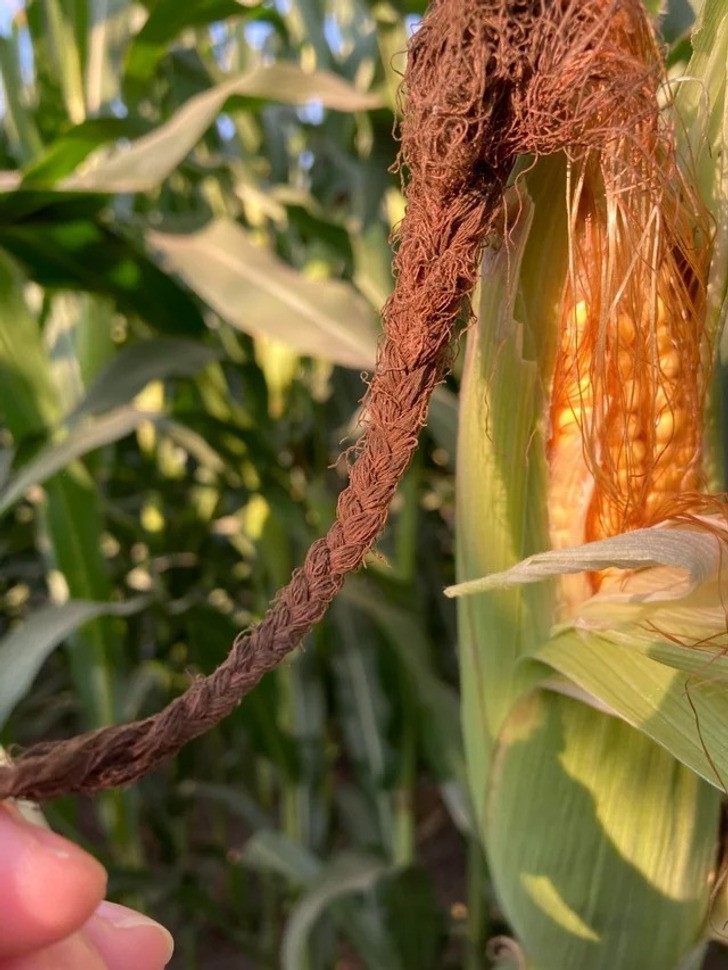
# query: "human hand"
[[52, 916]]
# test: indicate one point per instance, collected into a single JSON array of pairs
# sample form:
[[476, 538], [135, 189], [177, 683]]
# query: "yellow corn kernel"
[[670, 363]]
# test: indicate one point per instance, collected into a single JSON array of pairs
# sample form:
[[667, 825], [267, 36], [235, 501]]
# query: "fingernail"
[[30, 811], [123, 918]]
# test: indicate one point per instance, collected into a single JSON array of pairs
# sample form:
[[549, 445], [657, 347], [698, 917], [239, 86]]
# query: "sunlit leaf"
[[153, 157], [255, 291], [587, 816], [686, 715]]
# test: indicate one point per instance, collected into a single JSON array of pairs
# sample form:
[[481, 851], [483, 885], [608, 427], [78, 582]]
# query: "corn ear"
[[595, 740], [580, 814]]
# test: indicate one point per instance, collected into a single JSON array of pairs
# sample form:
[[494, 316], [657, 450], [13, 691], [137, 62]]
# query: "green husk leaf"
[[620, 834], [500, 501], [700, 105], [686, 715]]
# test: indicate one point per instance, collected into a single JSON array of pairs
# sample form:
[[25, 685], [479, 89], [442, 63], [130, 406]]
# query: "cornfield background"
[[194, 220]]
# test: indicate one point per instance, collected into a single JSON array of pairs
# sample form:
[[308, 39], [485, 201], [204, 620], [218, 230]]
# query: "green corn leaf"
[[325, 889], [154, 156], [255, 291], [271, 851], [80, 441], [66, 152], [19, 123], [365, 713], [70, 520], [63, 29], [344, 875], [28, 400], [437, 704], [61, 240], [133, 367], [24, 650], [167, 20]]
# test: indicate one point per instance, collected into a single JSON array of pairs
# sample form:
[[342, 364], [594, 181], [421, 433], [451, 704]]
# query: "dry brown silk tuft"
[[485, 81]]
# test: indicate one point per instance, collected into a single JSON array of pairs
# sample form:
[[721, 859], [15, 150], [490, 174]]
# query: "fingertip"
[[49, 887]]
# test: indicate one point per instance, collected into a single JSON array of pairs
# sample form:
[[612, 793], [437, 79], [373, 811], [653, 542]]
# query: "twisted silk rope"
[[477, 71]]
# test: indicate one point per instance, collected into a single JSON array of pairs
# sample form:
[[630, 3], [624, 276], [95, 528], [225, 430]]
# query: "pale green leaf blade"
[[78, 442], [133, 367], [258, 293], [151, 158], [345, 875], [24, 650]]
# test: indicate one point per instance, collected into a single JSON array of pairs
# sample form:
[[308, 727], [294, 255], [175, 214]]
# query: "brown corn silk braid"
[[485, 81]]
